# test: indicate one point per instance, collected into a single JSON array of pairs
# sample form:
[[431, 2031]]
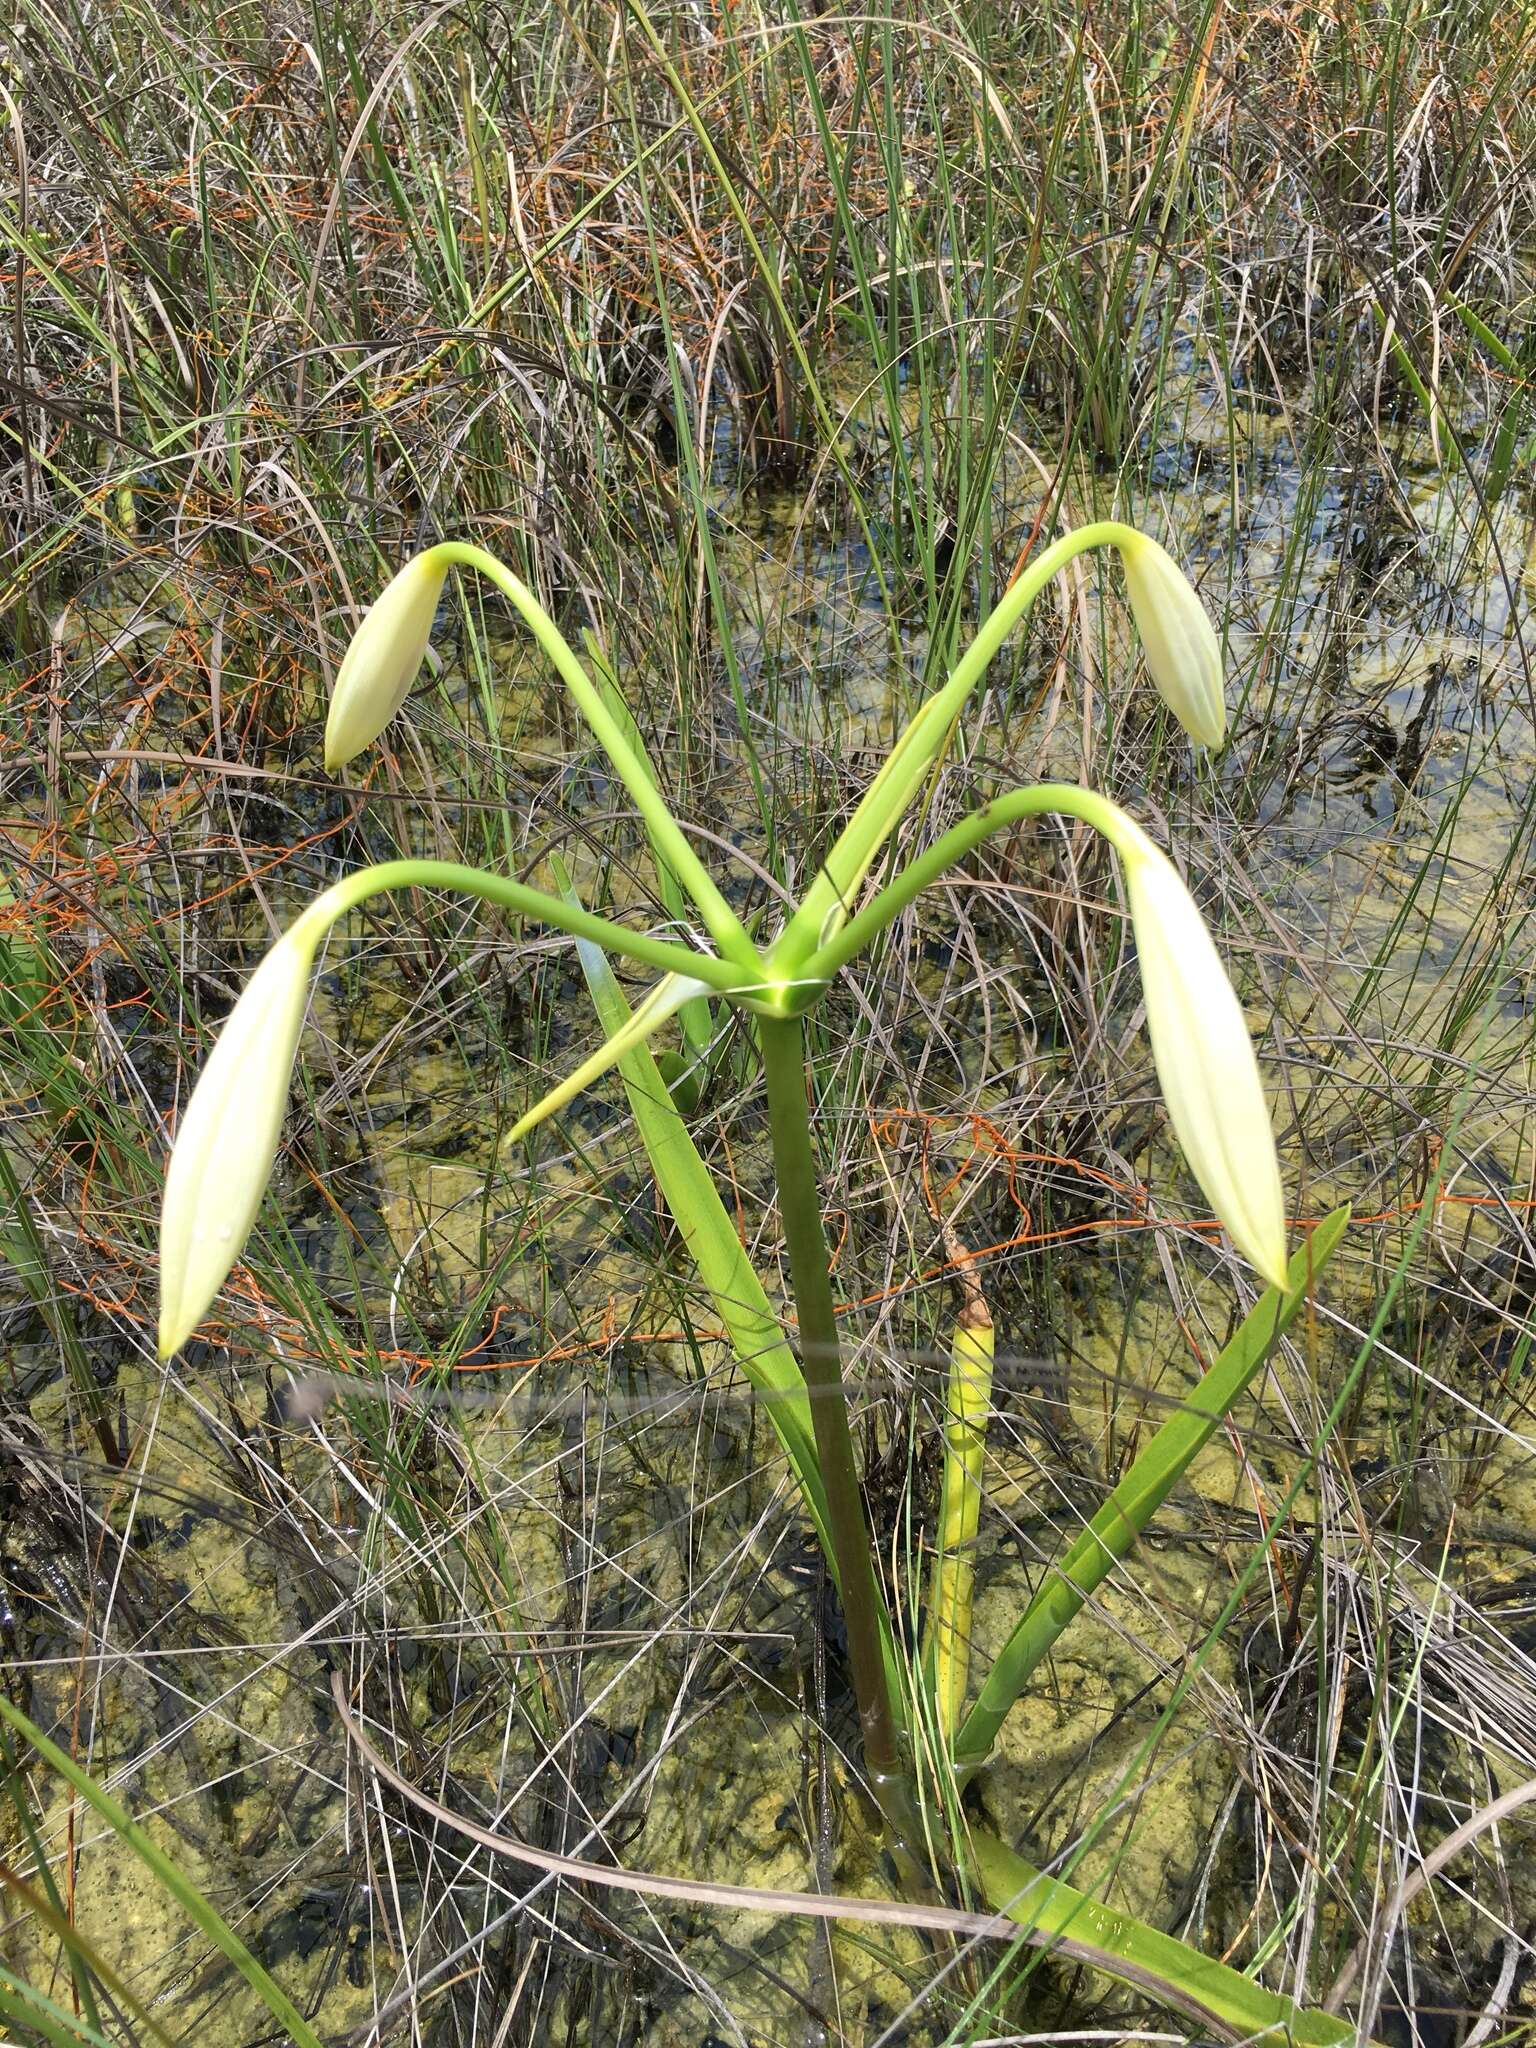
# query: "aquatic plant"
[[229, 1134]]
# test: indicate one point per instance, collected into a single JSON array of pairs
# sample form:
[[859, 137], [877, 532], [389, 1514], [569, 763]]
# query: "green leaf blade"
[[1141, 1491], [1211, 1993], [197, 1909]]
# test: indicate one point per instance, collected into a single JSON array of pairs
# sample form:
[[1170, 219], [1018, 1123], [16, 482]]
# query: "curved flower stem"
[[1037, 801], [794, 1166], [356, 888], [902, 773], [725, 928]]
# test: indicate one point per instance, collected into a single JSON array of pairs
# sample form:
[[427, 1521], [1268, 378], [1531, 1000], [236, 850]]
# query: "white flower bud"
[[384, 659], [1178, 639], [227, 1139], [1205, 1060]]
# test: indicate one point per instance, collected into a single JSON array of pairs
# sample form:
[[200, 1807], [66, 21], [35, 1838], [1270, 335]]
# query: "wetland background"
[[766, 346]]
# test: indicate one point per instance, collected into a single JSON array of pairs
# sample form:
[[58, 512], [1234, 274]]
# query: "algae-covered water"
[[476, 1443]]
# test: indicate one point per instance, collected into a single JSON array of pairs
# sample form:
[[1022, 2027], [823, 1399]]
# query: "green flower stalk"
[[227, 1140], [386, 656], [1180, 653], [1200, 1044]]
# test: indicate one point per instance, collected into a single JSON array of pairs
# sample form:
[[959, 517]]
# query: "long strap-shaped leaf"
[[743, 1307], [689, 1192], [1211, 1993], [1141, 1492], [672, 993], [968, 1404], [1048, 1914]]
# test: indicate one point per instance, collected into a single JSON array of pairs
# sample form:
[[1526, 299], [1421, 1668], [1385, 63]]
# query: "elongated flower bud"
[[1178, 639], [227, 1139], [384, 658], [1205, 1061]]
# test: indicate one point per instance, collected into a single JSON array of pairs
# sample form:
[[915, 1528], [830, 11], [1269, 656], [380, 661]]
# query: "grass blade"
[[29, 2007], [187, 1896]]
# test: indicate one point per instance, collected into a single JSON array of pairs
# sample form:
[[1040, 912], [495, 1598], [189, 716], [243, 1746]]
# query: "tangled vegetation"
[[770, 349]]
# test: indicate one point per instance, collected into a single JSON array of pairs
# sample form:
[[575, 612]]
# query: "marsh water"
[[513, 1489]]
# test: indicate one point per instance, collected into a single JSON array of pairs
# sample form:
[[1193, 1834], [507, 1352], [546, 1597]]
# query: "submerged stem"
[[794, 1165]]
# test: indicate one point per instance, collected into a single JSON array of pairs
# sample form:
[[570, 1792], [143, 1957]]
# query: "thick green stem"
[[794, 1164]]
